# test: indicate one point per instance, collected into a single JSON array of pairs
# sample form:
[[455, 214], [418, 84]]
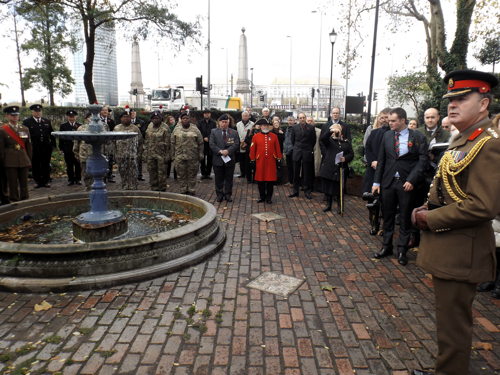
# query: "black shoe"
[[269, 201], [38, 186], [219, 199], [327, 208], [421, 372], [261, 200], [78, 182], [46, 185], [385, 252], [308, 196], [229, 199], [486, 286], [111, 181], [71, 183], [293, 195], [241, 176], [141, 179], [402, 258], [496, 292]]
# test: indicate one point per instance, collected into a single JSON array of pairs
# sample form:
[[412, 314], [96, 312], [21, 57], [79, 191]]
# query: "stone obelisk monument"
[[136, 86], [243, 83]]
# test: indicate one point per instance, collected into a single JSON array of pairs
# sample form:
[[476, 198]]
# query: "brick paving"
[[353, 314]]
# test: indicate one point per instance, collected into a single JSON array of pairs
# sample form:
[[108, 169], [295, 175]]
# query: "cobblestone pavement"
[[352, 314]]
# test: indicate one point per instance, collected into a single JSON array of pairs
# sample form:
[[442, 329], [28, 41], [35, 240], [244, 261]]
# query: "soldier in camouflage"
[[157, 151], [126, 152], [82, 151], [186, 150]]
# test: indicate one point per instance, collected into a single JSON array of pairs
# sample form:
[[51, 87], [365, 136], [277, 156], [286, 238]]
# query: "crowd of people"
[[438, 181]]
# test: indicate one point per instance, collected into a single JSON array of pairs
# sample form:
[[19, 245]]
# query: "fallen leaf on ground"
[[271, 231], [482, 345], [42, 306], [328, 287]]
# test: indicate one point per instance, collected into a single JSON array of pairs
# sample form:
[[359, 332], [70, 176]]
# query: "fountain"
[[105, 252]]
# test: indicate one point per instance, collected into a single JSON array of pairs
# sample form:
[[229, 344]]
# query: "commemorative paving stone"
[[267, 216], [276, 283]]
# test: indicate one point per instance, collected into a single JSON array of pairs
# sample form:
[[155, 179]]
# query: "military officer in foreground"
[[187, 151], [157, 151], [43, 142], [457, 244], [15, 154], [73, 169]]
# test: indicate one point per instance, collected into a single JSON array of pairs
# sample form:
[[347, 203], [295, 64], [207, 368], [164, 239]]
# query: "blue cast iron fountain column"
[[98, 224]]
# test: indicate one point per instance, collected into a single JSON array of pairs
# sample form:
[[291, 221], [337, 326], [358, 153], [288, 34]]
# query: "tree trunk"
[[460, 46], [48, 54], [88, 75], [18, 51]]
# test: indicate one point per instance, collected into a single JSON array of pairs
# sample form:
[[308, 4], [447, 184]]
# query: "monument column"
[[243, 83], [136, 87]]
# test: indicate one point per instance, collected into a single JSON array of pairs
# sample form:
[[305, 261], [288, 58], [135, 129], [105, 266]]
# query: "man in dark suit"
[[303, 139], [43, 142], [400, 165], [458, 244], [205, 125], [73, 168], [335, 119], [224, 142]]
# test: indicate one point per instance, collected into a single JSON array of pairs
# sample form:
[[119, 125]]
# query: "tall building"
[[105, 71]]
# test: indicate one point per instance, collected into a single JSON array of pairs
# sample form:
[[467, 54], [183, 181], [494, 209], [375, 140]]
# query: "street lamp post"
[[251, 88], [290, 84], [333, 37], [319, 60]]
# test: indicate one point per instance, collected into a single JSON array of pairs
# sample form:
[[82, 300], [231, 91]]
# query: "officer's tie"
[[396, 143]]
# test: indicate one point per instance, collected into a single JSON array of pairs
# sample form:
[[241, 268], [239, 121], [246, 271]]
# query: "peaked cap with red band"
[[462, 82]]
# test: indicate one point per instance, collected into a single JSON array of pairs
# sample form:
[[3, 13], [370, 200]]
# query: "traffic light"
[[204, 90], [262, 98], [199, 83], [312, 92], [375, 96]]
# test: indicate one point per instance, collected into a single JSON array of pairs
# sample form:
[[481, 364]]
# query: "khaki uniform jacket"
[[11, 154], [157, 142], [186, 144], [460, 244], [129, 147], [81, 149]]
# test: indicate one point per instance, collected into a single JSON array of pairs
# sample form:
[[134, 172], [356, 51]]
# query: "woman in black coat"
[[330, 172]]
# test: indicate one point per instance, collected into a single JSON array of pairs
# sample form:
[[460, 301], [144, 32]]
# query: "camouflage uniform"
[[82, 151], [187, 151], [157, 152], [126, 155]]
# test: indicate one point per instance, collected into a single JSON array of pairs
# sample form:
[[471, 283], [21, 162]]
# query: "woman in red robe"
[[266, 155]]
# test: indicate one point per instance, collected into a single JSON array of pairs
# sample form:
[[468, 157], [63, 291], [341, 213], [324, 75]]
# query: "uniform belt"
[[431, 206]]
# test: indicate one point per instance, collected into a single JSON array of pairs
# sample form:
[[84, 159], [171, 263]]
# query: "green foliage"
[[490, 53], [357, 164], [409, 88], [49, 39], [54, 339]]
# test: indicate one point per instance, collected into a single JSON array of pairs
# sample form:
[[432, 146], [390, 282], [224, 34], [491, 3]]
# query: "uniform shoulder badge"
[[475, 134], [492, 132]]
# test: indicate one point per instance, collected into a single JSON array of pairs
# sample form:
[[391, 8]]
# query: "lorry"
[[178, 99]]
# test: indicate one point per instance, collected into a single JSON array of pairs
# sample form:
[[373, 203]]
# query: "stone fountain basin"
[[78, 266]]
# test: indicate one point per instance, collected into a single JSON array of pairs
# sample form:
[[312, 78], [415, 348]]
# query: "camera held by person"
[[373, 205]]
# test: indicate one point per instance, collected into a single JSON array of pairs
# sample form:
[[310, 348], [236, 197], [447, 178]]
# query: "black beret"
[[223, 117], [462, 82], [156, 114], [184, 114], [124, 113], [71, 112], [36, 107], [262, 121], [206, 110], [11, 110]]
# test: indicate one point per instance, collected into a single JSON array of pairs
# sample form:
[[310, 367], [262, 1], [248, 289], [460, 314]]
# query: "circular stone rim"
[[20, 248]]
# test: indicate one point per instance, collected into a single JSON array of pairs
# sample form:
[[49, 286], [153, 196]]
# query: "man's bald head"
[[431, 118], [445, 123]]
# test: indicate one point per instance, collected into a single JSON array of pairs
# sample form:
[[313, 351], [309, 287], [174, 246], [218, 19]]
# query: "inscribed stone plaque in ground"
[[276, 283], [267, 216]]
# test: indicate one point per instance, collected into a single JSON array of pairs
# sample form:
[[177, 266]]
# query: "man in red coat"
[[266, 155]]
